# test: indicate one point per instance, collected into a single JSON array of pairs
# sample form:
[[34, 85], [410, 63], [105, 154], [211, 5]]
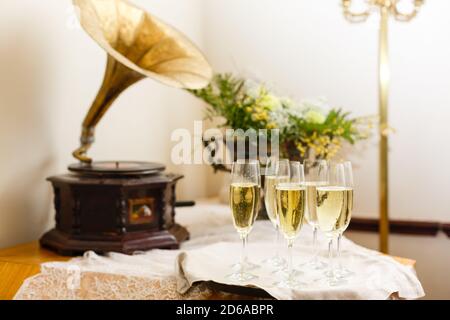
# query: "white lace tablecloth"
[[153, 274]]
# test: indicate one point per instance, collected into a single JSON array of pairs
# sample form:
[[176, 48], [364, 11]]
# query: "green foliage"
[[227, 97], [305, 127]]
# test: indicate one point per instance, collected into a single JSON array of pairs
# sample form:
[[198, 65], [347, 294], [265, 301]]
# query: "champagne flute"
[[276, 171], [342, 271], [334, 203], [291, 204], [244, 203], [315, 176]]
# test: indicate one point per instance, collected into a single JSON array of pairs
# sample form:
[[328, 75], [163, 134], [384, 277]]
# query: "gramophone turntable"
[[123, 206]]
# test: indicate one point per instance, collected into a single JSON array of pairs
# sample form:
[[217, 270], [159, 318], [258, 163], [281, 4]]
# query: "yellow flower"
[[270, 102], [336, 142], [301, 149], [340, 131], [258, 109], [263, 115]]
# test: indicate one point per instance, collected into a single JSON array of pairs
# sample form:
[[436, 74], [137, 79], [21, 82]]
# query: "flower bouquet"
[[309, 129]]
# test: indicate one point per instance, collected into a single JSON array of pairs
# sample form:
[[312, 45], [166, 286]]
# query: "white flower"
[[270, 101], [315, 116], [280, 117], [314, 110]]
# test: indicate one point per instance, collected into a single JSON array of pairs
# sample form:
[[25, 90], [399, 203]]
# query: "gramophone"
[[114, 205]]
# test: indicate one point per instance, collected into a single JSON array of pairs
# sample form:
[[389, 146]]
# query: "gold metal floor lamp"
[[385, 8]]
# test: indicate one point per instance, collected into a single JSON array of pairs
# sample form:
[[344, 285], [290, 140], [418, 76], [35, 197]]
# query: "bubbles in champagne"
[[270, 183], [334, 209], [291, 204], [244, 203], [311, 214], [269, 198]]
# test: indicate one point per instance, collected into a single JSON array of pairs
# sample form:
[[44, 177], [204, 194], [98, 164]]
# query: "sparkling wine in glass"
[[291, 205], [341, 270], [315, 176], [276, 171], [334, 208], [244, 204]]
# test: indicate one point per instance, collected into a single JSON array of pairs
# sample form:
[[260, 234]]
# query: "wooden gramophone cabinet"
[[120, 207]]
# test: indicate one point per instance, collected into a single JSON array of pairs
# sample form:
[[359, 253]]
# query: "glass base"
[[247, 265], [344, 273], [290, 282], [275, 262], [283, 273], [333, 278], [314, 264], [241, 276]]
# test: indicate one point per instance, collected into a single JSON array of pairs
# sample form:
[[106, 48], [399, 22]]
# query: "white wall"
[[306, 48], [49, 75]]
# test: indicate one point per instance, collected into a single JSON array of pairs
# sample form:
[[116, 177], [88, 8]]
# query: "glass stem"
[[243, 254], [290, 263], [330, 258], [338, 253], [315, 244], [277, 250]]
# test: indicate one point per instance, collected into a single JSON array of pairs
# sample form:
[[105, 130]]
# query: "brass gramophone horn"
[[139, 45]]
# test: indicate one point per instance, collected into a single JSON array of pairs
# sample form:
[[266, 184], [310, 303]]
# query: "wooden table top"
[[19, 263], [23, 261]]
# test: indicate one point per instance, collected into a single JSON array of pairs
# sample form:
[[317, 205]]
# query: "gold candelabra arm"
[[117, 78], [354, 16], [392, 6], [405, 17]]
